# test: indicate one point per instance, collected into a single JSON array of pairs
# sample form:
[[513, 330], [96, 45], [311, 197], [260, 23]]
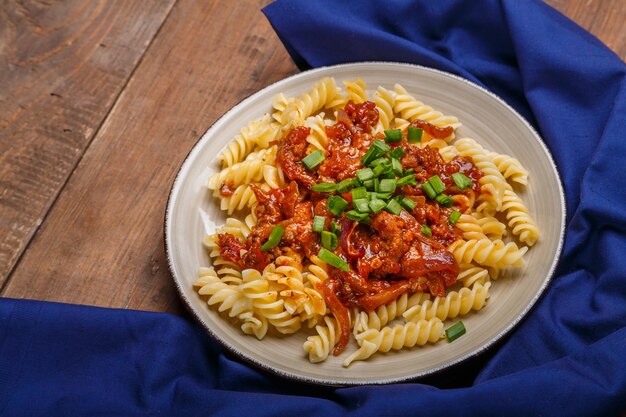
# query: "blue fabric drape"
[[568, 358]]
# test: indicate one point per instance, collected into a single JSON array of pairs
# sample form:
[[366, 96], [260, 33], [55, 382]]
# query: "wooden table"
[[100, 101]]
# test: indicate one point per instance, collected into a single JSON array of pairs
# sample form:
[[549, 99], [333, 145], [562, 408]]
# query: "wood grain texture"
[[103, 240], [603, 18], [62, 65], [101, 243]]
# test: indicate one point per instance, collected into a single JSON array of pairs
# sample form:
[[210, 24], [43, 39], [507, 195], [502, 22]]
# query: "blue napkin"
[[568, 358]]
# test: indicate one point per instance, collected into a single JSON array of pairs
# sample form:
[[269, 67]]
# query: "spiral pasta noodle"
[[411, 109], [456, 303], [397, 337], [492, 182], [488, 252], [519, 220]]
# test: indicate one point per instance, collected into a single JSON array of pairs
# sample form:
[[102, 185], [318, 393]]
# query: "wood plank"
[[603, 18], [62, 66], [103, 241]]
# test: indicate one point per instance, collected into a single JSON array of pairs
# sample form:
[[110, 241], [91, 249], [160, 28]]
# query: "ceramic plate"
[[192, 213]]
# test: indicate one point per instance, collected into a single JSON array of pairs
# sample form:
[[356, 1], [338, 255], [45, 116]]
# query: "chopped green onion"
[[334, 227], [370, 155], [361, 205], [376, 184], [324, 187], [387, 186], [379, 169], [356, 216], [393, 207], [377, 162], [428, 189], [414, 134], [345, 185], [396, 166], [461, 180], [274, 239], [381, 196], [358, 193], [376, 205], [369, 184], [393, 135], [444, 200], [318, 223], [455, 331], [408, 172], [333, 260], [426, 230], [397, 153], [407, 180], [312, 160], [365, 174], [329, 240], [381, 146], [336, 204], [454, 216], [408, 204], [437, 184], [378, 149]]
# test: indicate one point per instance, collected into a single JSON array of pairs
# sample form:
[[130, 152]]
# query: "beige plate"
[[191, 214]]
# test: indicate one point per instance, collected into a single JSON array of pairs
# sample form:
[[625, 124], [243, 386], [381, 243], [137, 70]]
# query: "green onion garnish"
[[324, 187], [376, 205], [426, 230], [397, 153], [365, 174], [369, 184], [358, 193], [361, 205], [336, 204], [329, 240], [407, 203], [274, 239], [318, 223], [312, 160], [334, 227], [377, 162], [407, 180], [396, 166], [393, 135], [444, 200], [345, 185], [437, 184], [381, 196], [428, 190], [381, 146], [333, 260], [414, 134], [455, 331], [393, 207], [454, 216], [408, 172], [379, 169], [376, 184], [356, 216], [461, 180], [387, 186]]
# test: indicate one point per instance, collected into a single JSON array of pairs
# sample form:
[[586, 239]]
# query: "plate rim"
[[184, 166]]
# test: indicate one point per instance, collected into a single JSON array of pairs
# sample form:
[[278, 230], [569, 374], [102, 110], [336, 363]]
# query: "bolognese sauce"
[[385, 202]]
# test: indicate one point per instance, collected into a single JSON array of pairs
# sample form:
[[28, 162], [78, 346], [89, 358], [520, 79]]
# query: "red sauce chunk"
[[388, 253]]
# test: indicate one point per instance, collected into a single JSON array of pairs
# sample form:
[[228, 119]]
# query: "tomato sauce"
[[388, 255]]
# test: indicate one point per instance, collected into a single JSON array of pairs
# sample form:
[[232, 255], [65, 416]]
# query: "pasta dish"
[[357, 215]]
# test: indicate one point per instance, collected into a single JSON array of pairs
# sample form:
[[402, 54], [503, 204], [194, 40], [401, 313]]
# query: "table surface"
[[100, 103]]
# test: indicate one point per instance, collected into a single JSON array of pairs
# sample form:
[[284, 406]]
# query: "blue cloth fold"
[[565, 359]]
